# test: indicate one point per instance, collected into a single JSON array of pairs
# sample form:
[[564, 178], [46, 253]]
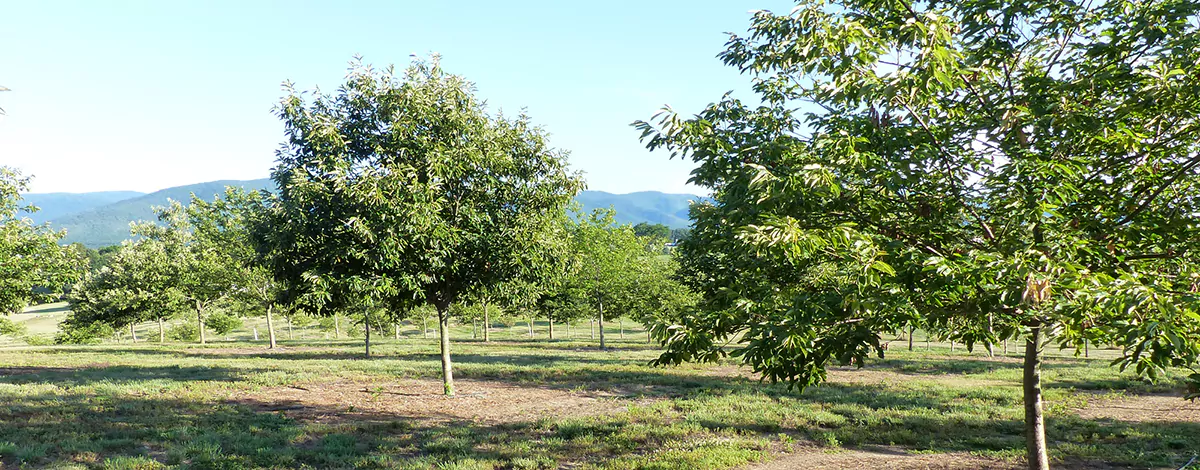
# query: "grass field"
[[563, 404]]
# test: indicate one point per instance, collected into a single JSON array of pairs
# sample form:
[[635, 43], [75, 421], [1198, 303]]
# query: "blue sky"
[[122, 95]]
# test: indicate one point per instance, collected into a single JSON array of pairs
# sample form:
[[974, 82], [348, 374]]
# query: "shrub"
[[185, 331], [222, 323], [11, 328], [82, 334], [37, 340]]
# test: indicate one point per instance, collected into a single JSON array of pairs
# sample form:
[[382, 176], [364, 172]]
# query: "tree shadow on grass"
[[732, 425], [97, 373]]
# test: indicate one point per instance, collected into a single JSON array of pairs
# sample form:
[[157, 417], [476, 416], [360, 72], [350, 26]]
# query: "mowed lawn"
[[565, 404]]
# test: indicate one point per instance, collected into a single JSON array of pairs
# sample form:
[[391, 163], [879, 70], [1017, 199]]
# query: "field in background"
[[565, 404]]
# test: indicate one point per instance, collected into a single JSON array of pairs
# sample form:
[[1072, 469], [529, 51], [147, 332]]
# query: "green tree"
[[138, 284], [33, 266], [604, 257], [405, 186], [231, 223], [1003, 169], [644, 229], [203, 270]]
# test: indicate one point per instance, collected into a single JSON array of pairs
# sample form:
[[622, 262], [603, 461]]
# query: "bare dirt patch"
[[478, 401], [879, 457], [1142, 408]]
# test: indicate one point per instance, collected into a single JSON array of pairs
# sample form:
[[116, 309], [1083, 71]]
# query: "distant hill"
[[108, 224], [53, 206], [646, 206]]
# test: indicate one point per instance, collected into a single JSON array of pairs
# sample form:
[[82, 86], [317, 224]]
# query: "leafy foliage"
[[403, 188], [33, 267], [999, 168]]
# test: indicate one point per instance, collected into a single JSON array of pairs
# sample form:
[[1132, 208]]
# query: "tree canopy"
[[999, 169], [405, 186], [33, 266]]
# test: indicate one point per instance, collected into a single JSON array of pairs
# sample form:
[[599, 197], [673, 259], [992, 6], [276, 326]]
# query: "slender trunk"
[[474, 329], [337, 327], [290, 336], [951, 345], [1035, 425], [397, 324], [271, 326], [602, 346], [255, 329], [621, 321], [1005, 346], [1085, 347], [530, 327], [162, 331], [200, 321], [487, 323], [910, 337], [367, 326], [592, 324], [649, 339], [550, 320], [425, 324], [568, 330], [132, 334], [991, 331], [444, 333]]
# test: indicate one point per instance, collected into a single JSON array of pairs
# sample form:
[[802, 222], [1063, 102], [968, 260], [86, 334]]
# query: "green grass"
[[152, 406]]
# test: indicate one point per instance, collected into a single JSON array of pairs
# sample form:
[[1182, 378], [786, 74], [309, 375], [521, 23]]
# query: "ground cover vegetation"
[[976, 173]]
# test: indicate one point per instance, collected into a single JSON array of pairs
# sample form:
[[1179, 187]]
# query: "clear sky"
[[124, 95]]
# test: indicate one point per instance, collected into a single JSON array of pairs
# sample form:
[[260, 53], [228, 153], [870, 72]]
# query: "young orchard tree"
[[407, 181], [203, 270], [136, 285], [229, 223], [33, 266], [1005, 169], [604, 255]]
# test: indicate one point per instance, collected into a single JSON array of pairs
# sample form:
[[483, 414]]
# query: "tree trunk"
[[530, 326], [991, 331], [132, 334], [200, 321], [367, 326], [474, 329], [1035, 425], [425, 325], [592, 325], [1005, 346], [951, 345], [162, 331], [337, 327], [444, 333], [1085, 347], [487, 323], [649, 339], [568, 330], [397, 324], [270, 326], [910, 337], [602, 346], [290, 336], [255, 333], [551, 330], [621, 321]]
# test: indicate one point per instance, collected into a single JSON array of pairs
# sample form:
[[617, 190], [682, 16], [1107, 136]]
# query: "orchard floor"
[[563, 404]]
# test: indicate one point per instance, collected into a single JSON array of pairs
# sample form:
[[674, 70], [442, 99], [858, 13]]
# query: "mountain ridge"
[[106, 224]]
